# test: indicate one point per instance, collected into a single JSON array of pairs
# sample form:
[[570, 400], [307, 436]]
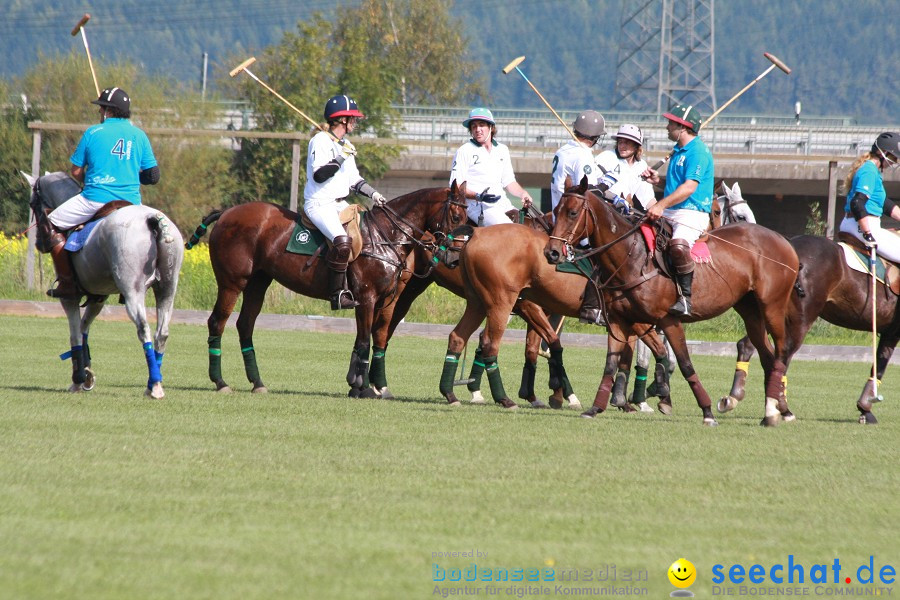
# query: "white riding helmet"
[[630, 132]]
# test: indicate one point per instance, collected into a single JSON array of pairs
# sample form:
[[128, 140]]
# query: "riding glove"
[[869, 240], [486, 197], [347, 149]]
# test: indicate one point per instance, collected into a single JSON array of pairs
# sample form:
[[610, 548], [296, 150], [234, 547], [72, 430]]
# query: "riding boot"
[[683, 264], [65, 287], [590, 312], [338, 257]]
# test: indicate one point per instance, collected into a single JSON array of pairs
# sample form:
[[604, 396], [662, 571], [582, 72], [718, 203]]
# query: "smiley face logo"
[[682, 573]]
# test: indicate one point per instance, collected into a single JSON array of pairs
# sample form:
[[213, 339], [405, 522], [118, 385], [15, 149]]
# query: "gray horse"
[[132, 249]]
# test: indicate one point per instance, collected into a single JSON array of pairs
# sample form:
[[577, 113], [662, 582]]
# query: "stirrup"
[[343, 300], [592, 316]]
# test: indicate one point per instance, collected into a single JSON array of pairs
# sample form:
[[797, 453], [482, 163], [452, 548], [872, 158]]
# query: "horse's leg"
[[467, 325], [616, 341], [620, 387], [675, 335], [254, 296], [91, 311], [641, 367], [745, 351], [775, 369], [137, 312], [497, 318], [383, 327], [225, 301], [476, 373], [540, 323], [529, 369], [886, 345], [76, 352], [358, 373]]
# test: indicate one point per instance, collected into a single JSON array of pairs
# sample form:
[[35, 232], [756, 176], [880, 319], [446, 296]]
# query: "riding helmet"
[[589, 124], [114, 98], [341, 106], [479, 114], [686, 115], [630, 132], [889, 143]]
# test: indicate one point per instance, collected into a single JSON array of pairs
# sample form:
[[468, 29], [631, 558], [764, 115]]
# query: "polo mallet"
[[875, 397], [515, 65], [80, 27], [243, 68], [775, 63], [461, 369]]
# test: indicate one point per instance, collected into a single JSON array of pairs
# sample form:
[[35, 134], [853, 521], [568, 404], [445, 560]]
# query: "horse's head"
[[47, 193], [448, 210]]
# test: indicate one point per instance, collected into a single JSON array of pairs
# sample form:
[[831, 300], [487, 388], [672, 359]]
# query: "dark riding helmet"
[[589, 124], [342, 106], [114, 98], [887, 143]]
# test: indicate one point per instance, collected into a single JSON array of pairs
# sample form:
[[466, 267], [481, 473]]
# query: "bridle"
[[584, 212]]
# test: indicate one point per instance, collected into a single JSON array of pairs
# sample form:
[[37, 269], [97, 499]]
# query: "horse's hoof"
[[627, 408], [260, 390], [591, 412], [646, 408], [89, 380], [75, 388], [222, 387], [454, 403], [710, 422], [867, 418], [618, 402], [771, 421], [555, 402], [538, 404], [726, 404], [507, 404], [788, 417], [384, 393], [664, 407], [574, 402], [353, 393], [156, 392], [368, 393], [477, 398]]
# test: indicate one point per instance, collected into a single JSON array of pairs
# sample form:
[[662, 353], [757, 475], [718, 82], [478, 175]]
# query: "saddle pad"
[[699, 252], [77, 239], [350, 218], [582, 267], [305, 240], [858, 261]]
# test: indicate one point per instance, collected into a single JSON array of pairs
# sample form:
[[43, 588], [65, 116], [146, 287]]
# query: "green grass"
[[305, 493]]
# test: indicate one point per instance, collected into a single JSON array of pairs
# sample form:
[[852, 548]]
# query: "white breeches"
[[73, 212], [888, 241], [325, 215], [687, 224]]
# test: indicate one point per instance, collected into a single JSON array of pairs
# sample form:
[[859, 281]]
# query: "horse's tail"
[[169, 252], [201, 229], [798, 286]]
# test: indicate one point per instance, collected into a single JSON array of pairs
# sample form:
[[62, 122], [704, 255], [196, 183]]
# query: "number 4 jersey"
[[113, 154]]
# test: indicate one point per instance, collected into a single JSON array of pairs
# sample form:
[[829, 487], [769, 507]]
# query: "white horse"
[[733, 207], [132, 249]]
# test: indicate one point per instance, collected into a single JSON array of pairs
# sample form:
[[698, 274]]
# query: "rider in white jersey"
[[486, 168], [624, 165], [331, 174], [574, 160]]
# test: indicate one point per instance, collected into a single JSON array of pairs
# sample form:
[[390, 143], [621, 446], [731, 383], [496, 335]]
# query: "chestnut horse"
[[753, 270], [499, 265], [829, 289], [247, 251], [450, 278]]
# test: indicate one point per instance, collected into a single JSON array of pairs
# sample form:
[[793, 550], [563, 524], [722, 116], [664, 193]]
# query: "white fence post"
[[32, 234]]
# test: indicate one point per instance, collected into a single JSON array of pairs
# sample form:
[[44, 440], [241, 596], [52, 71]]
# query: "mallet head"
[[777, 62], [81, 23], [515, 63], [242, 66]]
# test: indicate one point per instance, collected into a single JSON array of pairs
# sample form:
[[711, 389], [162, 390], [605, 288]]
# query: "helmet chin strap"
[[885, 161]]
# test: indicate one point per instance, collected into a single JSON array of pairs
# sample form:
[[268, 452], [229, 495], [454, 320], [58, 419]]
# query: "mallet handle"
[[544, 100], [81, 24]]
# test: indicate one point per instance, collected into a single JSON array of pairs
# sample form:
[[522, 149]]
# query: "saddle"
[[891, 272], [350, 218], [657, 237]]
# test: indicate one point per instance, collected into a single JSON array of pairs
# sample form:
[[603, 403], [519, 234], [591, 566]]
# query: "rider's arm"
[[149, 176], [78, 174]]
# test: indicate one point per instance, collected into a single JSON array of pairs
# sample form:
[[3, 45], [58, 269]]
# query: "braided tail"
[[201, 229]]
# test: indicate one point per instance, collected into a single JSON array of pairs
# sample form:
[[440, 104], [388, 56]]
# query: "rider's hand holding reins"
[[378, 199]]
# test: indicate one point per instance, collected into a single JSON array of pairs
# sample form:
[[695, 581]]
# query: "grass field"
[[305, 493]]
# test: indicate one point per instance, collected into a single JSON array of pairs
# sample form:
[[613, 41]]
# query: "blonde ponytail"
[[848, 180]]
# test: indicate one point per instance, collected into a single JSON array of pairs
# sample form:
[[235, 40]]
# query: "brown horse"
[[499, 265], [450, 278], [247, 251], [753, 270], [828, 288]]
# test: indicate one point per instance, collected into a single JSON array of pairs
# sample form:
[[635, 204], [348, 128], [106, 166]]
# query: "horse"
[[753, 270], [127, 252], [247, 252], [499, 265], [731, 206], [446, 275], [830, 289]]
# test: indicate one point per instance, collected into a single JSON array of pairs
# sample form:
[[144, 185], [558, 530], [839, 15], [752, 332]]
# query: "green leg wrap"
[[377, 373], [215, 358], [640, 385], [526, 388], [477, 371], [494, 378], [250, 367], [449, 373]]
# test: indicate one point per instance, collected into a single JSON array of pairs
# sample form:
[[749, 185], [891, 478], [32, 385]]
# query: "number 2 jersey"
[[113, 153]]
